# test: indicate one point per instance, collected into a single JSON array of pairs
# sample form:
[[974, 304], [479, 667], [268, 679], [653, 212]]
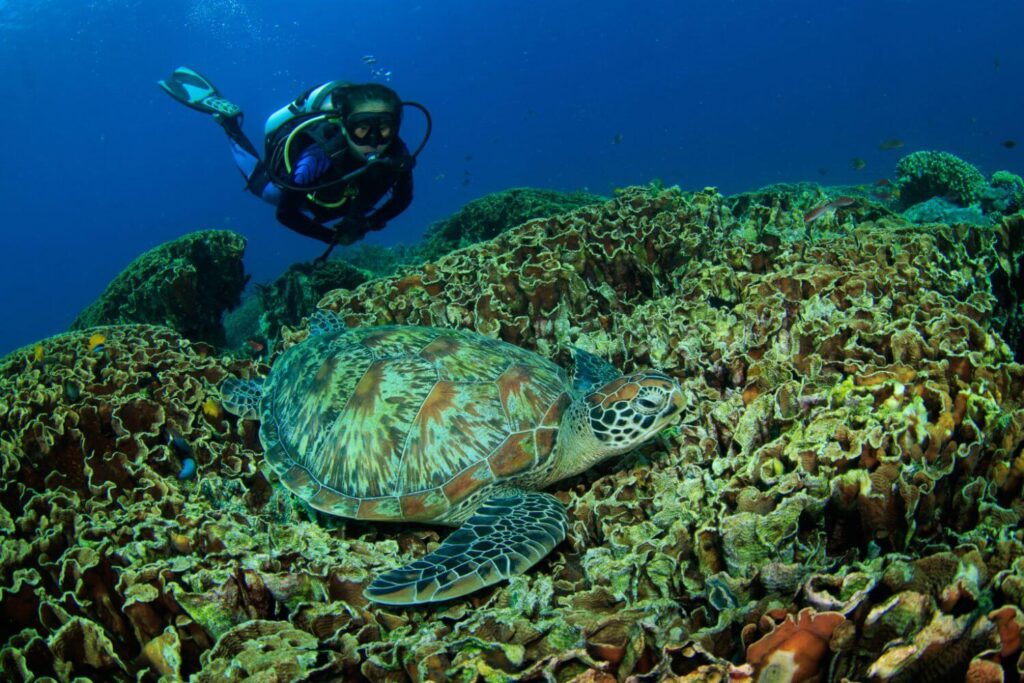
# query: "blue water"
[[99, 165]]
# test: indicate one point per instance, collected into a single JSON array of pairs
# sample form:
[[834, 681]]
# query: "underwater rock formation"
[[186, 284], [843, 501]]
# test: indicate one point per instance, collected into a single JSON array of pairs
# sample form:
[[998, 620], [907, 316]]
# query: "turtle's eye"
[[650, 402]]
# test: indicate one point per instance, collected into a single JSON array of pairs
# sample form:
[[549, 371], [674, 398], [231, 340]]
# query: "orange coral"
[[795, 650]]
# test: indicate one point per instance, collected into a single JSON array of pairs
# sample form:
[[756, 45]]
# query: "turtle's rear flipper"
[[241, 397], [504, 537]]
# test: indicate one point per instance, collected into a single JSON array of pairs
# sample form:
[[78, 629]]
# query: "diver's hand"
[[313, 163]]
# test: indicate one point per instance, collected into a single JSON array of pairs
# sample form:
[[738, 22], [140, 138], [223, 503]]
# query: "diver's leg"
[[248, 161]]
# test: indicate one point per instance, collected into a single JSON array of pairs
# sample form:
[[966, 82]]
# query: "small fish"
[[883, 182], [97, 343], [256, 346], [822, 171], [892, 143], [212, 409], [1009, 144], [178, 442], [369, 59], [617, 140], [816, 213], [188, 469], [37, 353], [858, 163]]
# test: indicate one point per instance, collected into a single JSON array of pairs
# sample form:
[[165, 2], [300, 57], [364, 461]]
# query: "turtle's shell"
[[404, 423]]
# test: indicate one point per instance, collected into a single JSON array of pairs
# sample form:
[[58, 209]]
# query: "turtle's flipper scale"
[[241, 397], [504, 537]]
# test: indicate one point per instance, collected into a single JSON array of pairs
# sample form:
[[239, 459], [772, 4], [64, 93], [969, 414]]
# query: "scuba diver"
[[331, 156]]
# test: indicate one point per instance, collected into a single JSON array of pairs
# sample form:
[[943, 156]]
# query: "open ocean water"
[[99, 165]]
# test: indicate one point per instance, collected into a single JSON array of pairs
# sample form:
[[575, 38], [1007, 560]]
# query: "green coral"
[[186, 284], [923, 175], [1005, 193]]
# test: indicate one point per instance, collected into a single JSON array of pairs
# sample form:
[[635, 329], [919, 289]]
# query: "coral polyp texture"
[[842, 500]]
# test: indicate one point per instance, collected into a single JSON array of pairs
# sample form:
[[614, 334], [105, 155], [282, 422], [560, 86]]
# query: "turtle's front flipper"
[[241, 397], [504, 537]]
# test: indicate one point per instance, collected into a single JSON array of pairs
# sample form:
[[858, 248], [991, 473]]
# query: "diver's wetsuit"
[[296, 212], [368, 189]]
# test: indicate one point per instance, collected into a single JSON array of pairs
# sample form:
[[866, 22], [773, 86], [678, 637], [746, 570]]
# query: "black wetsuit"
[[365, 192]]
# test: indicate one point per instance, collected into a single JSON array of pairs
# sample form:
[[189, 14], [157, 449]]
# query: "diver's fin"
[[193, 90]]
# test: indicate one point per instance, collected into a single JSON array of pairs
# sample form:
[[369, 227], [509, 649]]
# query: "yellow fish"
[[96, 342], [212, 409], [37, 353]]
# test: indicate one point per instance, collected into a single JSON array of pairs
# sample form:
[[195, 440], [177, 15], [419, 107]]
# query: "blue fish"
[[188, 469]]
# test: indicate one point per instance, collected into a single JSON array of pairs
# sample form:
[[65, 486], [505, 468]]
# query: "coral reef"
[[1005, 193], [287, 299], [186, 284], [923, 175], [941, 210], [493, 214], [379, 261], [844, 500]]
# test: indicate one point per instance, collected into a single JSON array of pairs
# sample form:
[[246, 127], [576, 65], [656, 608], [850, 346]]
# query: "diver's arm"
[[401, 197], [289, 214]]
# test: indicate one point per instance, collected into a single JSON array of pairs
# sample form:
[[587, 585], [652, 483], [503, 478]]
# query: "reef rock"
[[186, 284]]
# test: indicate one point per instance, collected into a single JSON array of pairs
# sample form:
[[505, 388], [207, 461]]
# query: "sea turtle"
[[403, 423]]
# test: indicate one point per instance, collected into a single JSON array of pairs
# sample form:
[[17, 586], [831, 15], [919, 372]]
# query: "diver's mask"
[[372, 128]]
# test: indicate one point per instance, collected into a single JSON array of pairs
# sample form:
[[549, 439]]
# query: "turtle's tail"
[[241, 397]]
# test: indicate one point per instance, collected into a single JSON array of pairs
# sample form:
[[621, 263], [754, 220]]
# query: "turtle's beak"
[[678, 401]]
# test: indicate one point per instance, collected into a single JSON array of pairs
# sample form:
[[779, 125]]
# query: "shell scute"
[[517, 454], [424, 505], [388, 507], [468, 482], [525, 392]]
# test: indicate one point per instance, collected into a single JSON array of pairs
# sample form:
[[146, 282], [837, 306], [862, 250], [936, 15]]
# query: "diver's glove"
[[313, 163]]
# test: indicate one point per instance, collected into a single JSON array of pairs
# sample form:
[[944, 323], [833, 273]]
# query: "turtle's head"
[[617, 417], [628, 411]]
